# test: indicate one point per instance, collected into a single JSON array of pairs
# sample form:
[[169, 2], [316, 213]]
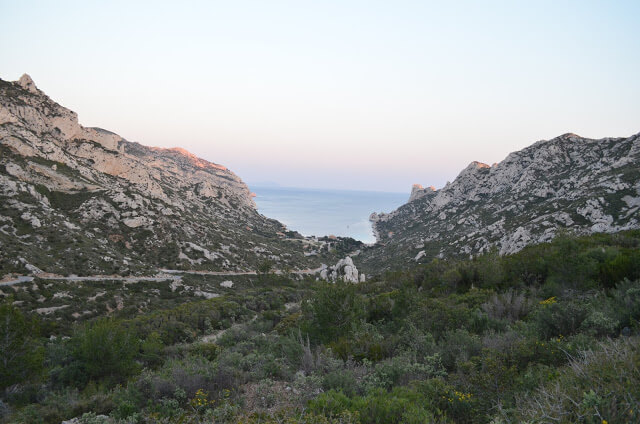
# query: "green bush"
[[22, 355], [364, 342], [401, 405], [332, 311], [600, 385], [343, 381], [626, 303], [450, 403], [458, 345], [554, 318], [401, 370], [209, 351], [151, 350], [437, 315], [599, 324], [104, 350], [626, 264]]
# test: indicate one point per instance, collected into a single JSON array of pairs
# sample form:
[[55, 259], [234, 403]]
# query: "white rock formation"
[[344, 270]]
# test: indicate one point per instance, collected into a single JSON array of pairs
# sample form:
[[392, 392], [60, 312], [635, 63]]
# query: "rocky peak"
[[417, 192], [474, 167], [570, 136], [27, 83], [23, 104]]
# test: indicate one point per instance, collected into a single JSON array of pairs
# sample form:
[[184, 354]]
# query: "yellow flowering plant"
[[549, 301], [201, 401]]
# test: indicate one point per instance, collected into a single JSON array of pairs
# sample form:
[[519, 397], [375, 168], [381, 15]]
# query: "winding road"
[[172, 274]]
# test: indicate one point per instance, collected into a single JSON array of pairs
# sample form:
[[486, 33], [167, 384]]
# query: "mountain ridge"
[[579, 184], [85, 200]]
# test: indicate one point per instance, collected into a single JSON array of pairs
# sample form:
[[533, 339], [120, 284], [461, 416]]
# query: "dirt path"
[[173, 274], [211, 338], [232, 273], [21, 279], [111, 277], [180, 271], [29, 279]]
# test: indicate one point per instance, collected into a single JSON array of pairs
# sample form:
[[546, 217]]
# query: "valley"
[[141, 285]]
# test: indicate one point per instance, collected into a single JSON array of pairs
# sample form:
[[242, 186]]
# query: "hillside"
[[568, 183], [76, 200], [548, 334]]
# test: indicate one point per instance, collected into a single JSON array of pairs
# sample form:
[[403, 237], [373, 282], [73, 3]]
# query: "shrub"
[[458, 345], [625, 265], [599, 324], [569, 264], [343, 381], [414, 342], [365, 342], [106, 350], [527, 266], [401, 370], [626, 302], [555, 318], [510, 305], [401, 405], [55, 407], [209, 351], [332, 311], [436, 316], [151, 350], [22, 355], [187, 376], [599, 385], [330, 404], [450, 402]]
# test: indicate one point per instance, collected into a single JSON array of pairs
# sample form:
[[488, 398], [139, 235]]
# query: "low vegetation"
[[549, 334]]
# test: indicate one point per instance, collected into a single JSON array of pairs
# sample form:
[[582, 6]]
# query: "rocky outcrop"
[[573, 183], [85, 200], [344, 270], [418, 192]]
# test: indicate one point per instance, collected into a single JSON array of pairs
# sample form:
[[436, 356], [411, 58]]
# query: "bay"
[[322, 212]]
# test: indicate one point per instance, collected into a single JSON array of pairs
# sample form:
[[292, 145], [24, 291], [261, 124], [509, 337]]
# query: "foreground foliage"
[[548, 334]]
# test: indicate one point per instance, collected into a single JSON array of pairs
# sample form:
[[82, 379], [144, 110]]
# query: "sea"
[[323, 212]]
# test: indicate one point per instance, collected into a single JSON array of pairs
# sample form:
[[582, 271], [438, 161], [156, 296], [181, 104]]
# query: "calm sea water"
[[324, 212]]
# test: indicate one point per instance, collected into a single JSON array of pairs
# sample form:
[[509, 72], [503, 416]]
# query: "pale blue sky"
[[342, 94]]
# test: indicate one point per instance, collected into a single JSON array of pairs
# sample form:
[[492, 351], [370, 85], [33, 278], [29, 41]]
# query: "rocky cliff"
[[84, 200], [570, 182]]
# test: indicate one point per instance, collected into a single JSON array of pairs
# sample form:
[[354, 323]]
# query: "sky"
[[361, 95]]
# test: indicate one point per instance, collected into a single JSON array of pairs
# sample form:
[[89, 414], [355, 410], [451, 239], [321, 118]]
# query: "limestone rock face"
[[344, 270], [578, 184], [34, 125], [95, 195]]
